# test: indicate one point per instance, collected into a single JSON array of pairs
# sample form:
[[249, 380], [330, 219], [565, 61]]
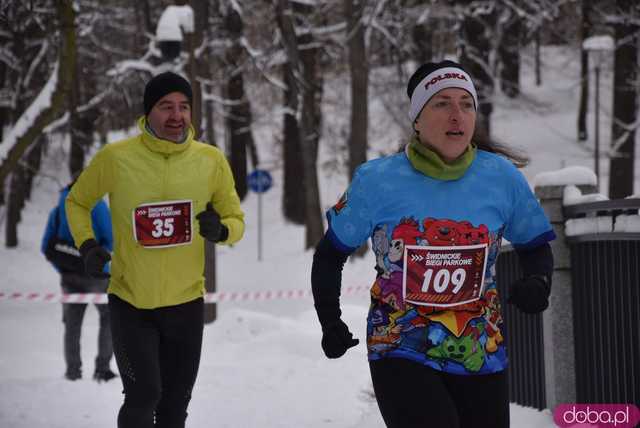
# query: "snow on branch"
[[93, 102], [34, 64], [28, 117], [129, 65], [8, 59], [384, 32]]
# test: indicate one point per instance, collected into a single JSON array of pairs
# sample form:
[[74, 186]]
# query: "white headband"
[[442, 78]]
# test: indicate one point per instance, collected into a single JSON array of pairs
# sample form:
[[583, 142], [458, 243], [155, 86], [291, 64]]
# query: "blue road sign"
[[259, 180]]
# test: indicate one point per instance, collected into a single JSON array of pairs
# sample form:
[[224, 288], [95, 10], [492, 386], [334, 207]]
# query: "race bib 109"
[[443, 276], [163, 224]]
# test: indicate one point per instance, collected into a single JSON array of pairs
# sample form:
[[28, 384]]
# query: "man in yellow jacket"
[[167, 192]]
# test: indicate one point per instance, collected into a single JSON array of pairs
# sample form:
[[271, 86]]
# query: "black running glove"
[[211, 228], [530, 294], [95, 257], [326, 278], [336, 339]]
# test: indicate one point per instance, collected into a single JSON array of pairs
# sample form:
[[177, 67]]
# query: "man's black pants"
[[412, 395], [158, 355]]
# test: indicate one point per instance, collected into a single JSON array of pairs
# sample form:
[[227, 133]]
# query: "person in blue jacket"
[[77, 281], [436, 214]]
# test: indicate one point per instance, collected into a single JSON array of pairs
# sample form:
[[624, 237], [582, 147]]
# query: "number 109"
[[442, 279]]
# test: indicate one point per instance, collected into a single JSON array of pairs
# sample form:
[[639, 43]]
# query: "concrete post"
[[557, 321]]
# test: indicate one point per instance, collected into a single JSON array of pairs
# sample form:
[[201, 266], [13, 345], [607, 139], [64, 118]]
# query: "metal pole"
[[597, 130], [260, 226]]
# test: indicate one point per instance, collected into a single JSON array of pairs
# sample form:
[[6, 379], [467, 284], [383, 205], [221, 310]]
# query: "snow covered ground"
[[262, 365]]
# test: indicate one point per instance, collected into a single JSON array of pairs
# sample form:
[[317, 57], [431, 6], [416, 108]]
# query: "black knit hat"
[[163, 84]]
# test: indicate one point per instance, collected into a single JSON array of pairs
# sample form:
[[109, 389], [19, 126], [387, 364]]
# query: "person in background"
[[167, 193], [436, 214], [73, 279]]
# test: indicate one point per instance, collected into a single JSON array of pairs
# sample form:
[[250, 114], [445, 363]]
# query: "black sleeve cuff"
[[537, 261], [224, 234], [326, 281]]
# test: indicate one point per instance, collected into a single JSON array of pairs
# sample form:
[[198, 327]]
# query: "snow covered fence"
[[217, 297], [587, 340], [604, 242]]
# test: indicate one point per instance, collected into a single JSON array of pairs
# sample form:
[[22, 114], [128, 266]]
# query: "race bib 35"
[[163, 224]]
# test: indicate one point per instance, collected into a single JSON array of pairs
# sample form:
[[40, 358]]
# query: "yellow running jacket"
[[141, 173]]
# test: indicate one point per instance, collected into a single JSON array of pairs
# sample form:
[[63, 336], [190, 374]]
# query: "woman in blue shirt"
[[436, 214]]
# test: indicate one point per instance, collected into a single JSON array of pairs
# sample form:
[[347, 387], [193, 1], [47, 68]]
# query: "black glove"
[[94, 257], [211, 228], [531, 294], [336, 339]]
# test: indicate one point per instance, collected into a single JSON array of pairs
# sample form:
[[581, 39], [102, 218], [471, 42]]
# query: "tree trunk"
[[3, 110], [14, 206], [293, 195], [311, 125], [76, 130], [208, 119], [475, 58], [509, 51], [147, 16], [237, 133], [210, 280], [585, 28], [537, 59], [309, 86], [422, 38], [239, 118], [34, 158], [359, 73], [201, 67], [624, 104]]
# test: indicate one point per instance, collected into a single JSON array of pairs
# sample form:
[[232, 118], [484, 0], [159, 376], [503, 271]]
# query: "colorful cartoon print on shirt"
[[462, 334], [466, 350], [383, 333], [493, 318], [444, 232], [389, 258]]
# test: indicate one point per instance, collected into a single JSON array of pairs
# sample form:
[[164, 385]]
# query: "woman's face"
[[446, 123]]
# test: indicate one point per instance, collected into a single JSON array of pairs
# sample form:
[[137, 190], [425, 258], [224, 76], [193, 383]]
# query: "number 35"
[[162, 227]]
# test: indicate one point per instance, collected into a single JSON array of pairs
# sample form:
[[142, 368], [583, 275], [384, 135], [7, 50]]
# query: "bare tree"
[[359, 72], [509, 51], [43, 110], [625, 95], [308, 87], [476, 46], [293, 195], [585, 29], [239, 117]]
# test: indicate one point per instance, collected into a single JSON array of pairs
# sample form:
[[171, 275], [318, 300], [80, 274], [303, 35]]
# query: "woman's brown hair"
[[483, 142]]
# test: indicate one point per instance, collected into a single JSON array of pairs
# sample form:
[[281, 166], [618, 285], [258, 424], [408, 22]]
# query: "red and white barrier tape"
[[220, 296]]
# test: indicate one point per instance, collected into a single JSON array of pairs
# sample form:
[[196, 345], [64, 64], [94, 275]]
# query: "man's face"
[[170, 117], [446, 123]]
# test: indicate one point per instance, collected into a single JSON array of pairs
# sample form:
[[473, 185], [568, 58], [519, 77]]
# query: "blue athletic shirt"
[[396, 205]]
